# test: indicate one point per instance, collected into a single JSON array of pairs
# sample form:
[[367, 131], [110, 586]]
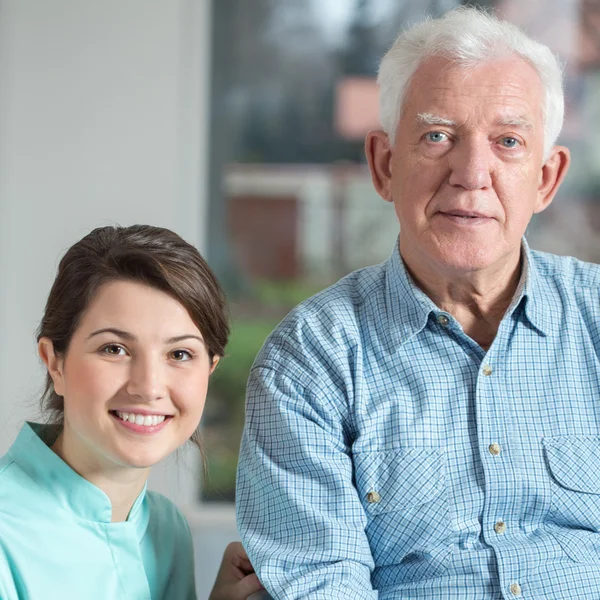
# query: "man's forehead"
[[440, 92]]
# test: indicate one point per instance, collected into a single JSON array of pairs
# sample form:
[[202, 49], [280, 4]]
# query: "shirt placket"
[[129, 567], [501, 465]]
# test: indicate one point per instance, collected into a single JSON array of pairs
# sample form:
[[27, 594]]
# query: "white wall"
[[102, 120]]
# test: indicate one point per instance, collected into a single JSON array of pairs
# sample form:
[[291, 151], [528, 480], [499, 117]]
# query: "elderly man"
[[428, 428]]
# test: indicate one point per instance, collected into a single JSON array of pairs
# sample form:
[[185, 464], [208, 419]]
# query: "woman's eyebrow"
[[132, 338], [181, 338], [118, 332]]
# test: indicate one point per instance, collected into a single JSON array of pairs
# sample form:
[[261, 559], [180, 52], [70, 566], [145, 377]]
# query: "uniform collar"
[[408, 307], [56, 479]]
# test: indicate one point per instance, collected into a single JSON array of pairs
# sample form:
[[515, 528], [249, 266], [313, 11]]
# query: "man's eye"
[[509, 142], [436, 137], [181, 355], [113, 350]]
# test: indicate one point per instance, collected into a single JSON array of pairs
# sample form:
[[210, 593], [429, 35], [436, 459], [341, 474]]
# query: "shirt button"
[[443, 320], [494, 449], [373, 497], [500, 527], [515, 589], [487, 370]]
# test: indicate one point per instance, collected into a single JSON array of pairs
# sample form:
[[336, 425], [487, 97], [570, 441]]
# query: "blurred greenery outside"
[[252, 319]]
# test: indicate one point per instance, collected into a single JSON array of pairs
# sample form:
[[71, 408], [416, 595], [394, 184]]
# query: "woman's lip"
[[141, 411], [144, 429]]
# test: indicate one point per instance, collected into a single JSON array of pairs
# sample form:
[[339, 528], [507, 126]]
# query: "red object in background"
[[264, 234], [356, 107]]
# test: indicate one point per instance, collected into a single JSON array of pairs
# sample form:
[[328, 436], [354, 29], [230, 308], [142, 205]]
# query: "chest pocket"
[[574, 518], [404, 497]]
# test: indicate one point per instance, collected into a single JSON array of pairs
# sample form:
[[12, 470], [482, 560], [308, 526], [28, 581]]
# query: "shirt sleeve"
[[298, 511]]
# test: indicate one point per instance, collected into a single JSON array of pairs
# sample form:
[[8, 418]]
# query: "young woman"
[[134, 325]]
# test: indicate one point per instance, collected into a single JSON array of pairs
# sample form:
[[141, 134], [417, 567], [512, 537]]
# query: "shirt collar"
[[54, 477], [408, 307], [531, 291]]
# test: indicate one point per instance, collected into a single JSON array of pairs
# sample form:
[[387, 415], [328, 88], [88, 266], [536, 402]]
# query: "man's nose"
[[147, 378], [471, 164]]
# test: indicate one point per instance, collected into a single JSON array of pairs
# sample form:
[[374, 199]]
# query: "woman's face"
[[134, 379]]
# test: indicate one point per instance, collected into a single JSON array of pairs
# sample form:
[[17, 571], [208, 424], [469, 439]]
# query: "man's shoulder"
[[326, 327], [342, 299], [338, 307], [567, 270]]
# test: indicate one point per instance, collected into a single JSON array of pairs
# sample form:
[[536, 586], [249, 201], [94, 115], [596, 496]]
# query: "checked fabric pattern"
[[387, 455]]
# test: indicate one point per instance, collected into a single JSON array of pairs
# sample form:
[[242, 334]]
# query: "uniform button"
[[443, 320], [500, 527], [515, 589], [373, 497], [494, 449], [487, 370]]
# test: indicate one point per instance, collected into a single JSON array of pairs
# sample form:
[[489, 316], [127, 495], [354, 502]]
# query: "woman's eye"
[[436, 137], [509, 142], [113, 350], [181, 355]]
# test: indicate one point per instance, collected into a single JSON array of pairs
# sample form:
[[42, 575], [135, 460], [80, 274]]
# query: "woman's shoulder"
[[164, 514], [14, 482]]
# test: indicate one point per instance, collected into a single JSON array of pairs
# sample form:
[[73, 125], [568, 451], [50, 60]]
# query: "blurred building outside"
[[294, 208]]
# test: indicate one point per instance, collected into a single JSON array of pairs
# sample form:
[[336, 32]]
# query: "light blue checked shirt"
[[387, 455]]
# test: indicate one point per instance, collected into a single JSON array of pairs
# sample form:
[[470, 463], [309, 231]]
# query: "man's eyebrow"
[[427, 118], [522, 122], [132, 338]]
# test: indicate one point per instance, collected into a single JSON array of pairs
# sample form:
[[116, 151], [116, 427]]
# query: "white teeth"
[[145, 420]]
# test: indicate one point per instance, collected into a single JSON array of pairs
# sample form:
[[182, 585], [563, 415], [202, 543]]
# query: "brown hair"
[[150, 255]]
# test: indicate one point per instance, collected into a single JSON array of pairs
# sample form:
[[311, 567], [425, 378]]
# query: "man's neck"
[[478, 300]]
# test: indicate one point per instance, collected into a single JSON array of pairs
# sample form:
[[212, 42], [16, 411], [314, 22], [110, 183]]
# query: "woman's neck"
[[121, 484]]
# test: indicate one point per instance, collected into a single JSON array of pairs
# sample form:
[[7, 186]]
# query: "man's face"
[[466, 172]]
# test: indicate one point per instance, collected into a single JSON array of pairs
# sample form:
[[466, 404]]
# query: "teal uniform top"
[[57, 541]]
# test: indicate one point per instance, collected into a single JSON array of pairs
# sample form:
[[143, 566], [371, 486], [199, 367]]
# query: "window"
[[292, 205]]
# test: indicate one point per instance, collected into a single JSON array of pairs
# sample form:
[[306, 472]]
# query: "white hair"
[[467, 36]]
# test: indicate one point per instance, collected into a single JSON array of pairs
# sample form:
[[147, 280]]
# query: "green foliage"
[[229, 380], [224, 414], [224, 418], [283, 294]]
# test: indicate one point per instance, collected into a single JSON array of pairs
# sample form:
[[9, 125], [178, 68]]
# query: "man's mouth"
[[463, 214]]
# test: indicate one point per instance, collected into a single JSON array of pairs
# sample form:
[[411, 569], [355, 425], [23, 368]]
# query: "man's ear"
[[551, 176], [379, 156], [53, 363]]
